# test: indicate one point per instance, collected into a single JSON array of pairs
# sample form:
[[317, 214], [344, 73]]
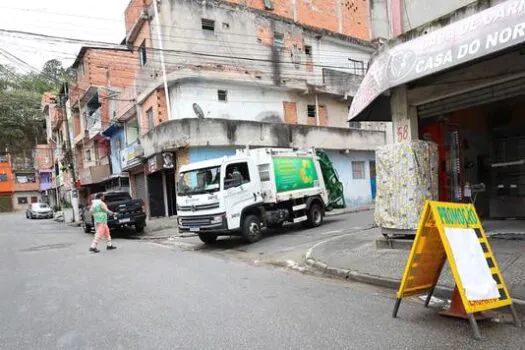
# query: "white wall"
[[28, 195], [249, 102]]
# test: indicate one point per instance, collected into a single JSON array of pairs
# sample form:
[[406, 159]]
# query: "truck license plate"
[[123, 221], [195, 229]]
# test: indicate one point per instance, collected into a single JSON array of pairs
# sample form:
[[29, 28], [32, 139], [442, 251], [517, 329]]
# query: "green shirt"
[[99, 215]]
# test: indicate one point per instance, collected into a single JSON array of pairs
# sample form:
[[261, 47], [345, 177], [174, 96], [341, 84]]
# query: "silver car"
[[39, 211]]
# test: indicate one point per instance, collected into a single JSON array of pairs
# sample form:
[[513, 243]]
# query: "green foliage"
[[22, 123]]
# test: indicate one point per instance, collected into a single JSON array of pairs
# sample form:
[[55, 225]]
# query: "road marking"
[[330, 232]]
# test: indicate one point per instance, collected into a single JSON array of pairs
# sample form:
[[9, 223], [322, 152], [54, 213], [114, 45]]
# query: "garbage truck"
[[256, 189]]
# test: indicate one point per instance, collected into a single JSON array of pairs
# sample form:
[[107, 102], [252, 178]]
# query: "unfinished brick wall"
[[349, 17], [323, 116], [157, 102], [133, 11], [102, 67], [43, 157], [290, 112], [181, 158]]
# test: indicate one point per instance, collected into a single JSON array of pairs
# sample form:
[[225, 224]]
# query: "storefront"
[[132, 162], [462, 87]]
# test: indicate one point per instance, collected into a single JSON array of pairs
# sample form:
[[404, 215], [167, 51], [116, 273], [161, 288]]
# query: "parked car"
[[128, 212], [39, 211]]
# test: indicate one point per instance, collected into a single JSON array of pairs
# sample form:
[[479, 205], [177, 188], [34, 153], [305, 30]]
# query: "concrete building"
[[457, 80], [217, 76], [26, 179], [391, 18]]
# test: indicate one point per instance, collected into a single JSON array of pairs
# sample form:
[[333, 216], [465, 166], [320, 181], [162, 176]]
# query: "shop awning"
[[485, 33]]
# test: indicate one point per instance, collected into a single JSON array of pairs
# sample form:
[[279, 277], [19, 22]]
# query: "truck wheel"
[[251, 229], [315, 216], [207, 238]]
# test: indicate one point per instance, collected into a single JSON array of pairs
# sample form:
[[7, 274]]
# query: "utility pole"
[[71, 160]]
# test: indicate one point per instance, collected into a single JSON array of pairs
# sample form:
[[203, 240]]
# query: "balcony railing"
[[94, 174]]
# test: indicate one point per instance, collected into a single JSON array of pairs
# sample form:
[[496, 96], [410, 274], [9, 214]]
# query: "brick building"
[[7, 184], [283, 72], [102, 73]]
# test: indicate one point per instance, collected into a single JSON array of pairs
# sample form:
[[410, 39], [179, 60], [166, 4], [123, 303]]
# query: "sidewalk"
[[343, 257]]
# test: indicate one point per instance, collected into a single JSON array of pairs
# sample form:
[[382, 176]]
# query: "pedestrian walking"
[[100, 212]]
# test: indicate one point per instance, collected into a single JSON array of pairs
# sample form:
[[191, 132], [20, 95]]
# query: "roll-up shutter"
[[493, 93]]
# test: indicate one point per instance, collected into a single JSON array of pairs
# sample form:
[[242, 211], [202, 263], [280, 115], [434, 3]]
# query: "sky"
[[96, 20]]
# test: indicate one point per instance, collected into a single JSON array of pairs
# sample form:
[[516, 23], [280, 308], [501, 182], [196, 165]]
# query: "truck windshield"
[[198, 181]]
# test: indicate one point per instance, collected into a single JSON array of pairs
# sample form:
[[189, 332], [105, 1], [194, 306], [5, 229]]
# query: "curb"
[[351, 211], [442, 292], [151, 238]]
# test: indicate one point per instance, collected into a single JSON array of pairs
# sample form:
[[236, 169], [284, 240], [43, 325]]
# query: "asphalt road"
[[287, 244], [56, 295]]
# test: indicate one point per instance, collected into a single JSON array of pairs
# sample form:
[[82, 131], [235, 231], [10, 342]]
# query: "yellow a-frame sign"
[[453, 232]]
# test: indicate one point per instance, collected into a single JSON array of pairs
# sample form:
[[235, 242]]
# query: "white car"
[[39, 211]]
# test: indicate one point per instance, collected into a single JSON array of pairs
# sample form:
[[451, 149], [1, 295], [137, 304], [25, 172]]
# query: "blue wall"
[[357, 192], [197, 154], [115, 152]]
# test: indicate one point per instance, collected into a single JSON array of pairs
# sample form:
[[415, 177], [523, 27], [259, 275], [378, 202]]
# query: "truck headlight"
[[179, 221], [216, 219]]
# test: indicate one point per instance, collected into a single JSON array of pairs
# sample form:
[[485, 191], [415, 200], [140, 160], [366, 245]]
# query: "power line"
[[105, 45], [162, 25]]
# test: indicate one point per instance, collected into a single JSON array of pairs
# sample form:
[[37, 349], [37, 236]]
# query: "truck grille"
[[198, 207], [195, 221]]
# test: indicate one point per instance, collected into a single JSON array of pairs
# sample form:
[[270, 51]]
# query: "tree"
[[55, 73], [21, 122]]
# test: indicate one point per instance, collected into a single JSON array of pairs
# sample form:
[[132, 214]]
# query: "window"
[[149, 115], [278, 40], [311, 111], [308, 50], [143, 56], [357, 67], [264, 172], [3, 177], [132, 130], [88, 155], [223, 95], [34, 200], [208, 25], [268, 4], [358, 170], [22, 200], [236, 175]]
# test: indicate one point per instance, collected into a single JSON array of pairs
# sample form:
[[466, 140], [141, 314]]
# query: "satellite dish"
[[198, 111]]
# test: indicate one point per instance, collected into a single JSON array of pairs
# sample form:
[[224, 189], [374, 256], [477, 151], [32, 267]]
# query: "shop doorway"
[[156, 195], [171, 192], [481, 153]]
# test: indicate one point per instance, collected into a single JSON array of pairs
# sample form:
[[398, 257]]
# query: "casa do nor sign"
[[484, 33]]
